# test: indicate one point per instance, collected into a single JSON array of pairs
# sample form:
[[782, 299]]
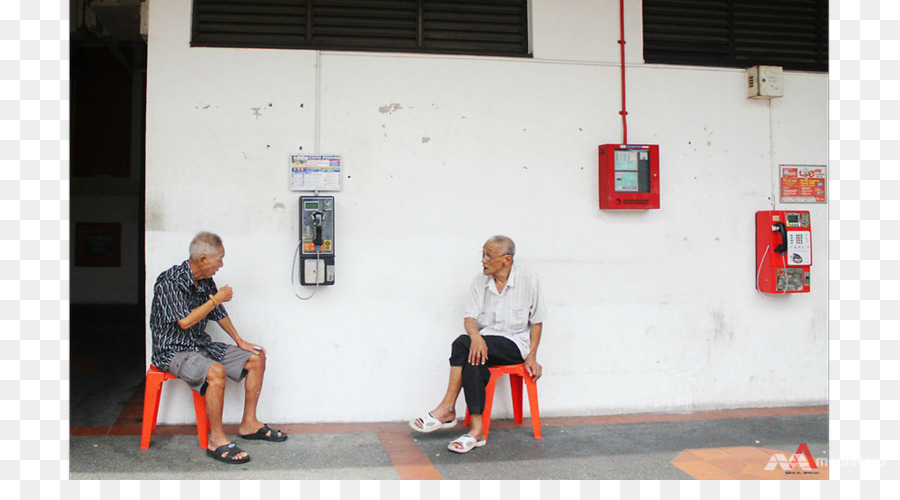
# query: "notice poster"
[[803, 184], [315, 173]]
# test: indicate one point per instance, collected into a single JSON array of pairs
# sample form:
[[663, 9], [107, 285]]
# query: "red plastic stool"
[[152, 392], [517, 374]]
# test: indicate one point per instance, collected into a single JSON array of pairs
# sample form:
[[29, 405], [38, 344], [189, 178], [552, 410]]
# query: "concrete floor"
[[645, 446]]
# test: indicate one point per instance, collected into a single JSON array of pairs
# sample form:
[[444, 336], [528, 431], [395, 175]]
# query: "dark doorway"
[[108, 65]]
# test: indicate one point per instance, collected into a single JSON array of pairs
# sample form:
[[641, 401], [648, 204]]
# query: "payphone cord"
[[759, 271], [294, 269]]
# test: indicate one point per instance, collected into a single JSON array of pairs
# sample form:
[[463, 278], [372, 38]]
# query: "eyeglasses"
[[487, 258]]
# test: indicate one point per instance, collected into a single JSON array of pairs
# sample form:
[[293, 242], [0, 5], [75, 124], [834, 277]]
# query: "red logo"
[[803, 450], [802, 460]]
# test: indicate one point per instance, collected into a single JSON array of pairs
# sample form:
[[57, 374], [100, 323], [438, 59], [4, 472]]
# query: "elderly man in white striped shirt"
[[503, 320]]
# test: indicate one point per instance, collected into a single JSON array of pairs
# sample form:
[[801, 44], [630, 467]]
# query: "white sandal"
[[466, 443], [430, 424]]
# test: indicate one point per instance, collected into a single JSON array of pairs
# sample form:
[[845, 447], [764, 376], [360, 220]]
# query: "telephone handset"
[[781, 228], [317, 221]]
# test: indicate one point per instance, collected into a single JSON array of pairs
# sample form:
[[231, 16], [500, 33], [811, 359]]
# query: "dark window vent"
[[478, 27], [737, 33]]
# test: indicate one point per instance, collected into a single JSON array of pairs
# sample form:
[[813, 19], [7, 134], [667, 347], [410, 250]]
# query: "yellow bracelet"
[[214, 301]]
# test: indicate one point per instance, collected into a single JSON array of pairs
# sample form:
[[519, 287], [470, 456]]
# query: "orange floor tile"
[[743, 462]]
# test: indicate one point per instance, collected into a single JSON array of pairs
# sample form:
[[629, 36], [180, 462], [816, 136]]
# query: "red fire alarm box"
[[629, 176], [783, 251]]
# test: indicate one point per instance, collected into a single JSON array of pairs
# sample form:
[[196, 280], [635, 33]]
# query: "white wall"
[[649, 310]]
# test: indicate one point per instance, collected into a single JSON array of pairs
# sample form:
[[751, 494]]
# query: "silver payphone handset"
[[316, 245]]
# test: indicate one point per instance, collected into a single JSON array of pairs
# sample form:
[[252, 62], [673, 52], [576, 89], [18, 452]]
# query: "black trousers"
[[501, 351]]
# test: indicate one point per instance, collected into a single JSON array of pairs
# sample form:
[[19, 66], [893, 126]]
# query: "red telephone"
[[783, 251]]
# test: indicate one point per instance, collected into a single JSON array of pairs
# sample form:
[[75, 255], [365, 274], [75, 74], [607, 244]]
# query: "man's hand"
[[247, 346], [224, 294], [198, 313], [478, 351], [533, 367]]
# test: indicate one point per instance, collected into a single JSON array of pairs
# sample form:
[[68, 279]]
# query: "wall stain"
[[425, 139], [153, 216], [256, 112], [390, 108], [721, 330]]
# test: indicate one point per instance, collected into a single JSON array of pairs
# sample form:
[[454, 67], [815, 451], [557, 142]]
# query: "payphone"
[[629, 176], [783, 251], [317, 240]]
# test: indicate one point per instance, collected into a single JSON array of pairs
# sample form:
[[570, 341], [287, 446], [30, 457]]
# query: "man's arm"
[[531, 365], [478, 350], [197, 314], [229, 328]]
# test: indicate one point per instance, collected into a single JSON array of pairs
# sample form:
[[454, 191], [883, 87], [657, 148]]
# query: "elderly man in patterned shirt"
[[185, 298], [503, 322]]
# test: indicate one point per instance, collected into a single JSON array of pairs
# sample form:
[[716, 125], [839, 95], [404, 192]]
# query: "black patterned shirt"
[[175, 295]]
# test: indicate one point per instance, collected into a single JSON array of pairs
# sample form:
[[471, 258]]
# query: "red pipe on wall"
[[624, 113]]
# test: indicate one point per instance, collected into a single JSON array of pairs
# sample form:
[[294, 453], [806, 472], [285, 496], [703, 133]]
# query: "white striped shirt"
[[509, 313]]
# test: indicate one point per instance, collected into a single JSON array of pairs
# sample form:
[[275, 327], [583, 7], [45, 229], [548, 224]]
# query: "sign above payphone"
[[315, 173], [629, 176]]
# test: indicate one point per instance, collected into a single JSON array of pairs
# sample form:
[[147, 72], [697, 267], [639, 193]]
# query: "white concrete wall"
[[649, 310]]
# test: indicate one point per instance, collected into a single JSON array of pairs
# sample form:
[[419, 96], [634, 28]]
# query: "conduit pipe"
[[624, 113]]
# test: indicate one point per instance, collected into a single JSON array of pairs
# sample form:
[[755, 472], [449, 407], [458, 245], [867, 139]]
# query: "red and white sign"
[[803, 184]]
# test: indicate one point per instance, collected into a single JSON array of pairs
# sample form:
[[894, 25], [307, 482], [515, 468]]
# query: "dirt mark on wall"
[[390, 108], [721, 330]]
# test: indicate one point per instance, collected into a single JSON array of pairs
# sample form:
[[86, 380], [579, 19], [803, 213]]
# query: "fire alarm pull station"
[[783, 251], [317, 240], [629, 176]]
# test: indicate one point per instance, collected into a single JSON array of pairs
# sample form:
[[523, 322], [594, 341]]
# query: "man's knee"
[[459, 350], [462, 343], [256, 361], [216, 374]]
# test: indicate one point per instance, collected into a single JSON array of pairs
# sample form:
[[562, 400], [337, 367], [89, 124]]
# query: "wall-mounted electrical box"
[[765, 82], [629, 176]]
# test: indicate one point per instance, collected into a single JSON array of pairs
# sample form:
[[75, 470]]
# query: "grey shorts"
[[192, 366]]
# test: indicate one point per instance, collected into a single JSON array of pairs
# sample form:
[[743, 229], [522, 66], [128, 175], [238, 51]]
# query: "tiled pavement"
[[727, 444]]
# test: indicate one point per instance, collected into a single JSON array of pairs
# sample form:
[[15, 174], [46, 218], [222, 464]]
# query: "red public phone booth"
[[783, 251], [629, 176]]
